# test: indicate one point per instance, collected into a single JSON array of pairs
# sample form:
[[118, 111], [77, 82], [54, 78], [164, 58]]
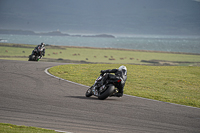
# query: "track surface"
[[28, 96]]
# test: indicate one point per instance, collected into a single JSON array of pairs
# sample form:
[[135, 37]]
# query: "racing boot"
[[117, 94]]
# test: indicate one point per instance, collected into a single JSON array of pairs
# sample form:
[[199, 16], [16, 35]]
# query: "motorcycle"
[[35, 56], [103, 89]]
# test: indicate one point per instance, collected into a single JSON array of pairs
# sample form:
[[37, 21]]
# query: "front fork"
[[95, 91]]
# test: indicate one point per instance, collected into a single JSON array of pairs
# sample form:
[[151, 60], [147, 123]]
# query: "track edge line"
[[46, 71]]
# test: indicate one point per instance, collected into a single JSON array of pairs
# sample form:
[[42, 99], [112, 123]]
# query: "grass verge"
[[9, 128], [100, 55], [174, 84]]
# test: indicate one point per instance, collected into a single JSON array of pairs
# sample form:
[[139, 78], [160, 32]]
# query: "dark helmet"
[[42, 44]]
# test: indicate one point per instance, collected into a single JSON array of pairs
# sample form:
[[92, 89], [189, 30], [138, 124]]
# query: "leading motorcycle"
[[35, 56], [103, 88]]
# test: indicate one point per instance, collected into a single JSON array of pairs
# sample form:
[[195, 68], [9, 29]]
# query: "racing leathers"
[[41, 50], [119, 74]]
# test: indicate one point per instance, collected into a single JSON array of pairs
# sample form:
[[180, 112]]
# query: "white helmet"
[[122, 68]]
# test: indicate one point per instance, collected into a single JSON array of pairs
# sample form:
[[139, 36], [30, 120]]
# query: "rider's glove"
[[102, 71]]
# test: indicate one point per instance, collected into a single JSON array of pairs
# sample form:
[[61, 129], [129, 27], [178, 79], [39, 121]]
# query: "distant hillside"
[[52, 33]]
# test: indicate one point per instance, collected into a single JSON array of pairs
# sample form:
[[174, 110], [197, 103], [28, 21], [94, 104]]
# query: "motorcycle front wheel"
[[109, 91], [88, 92], [29, 58]]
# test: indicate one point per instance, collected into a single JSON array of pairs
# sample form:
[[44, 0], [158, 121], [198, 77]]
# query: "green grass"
[[174, 84], [96, 55], [20, 59], [9, 128]]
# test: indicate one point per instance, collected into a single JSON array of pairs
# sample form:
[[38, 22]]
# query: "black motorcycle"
[[35, 56], [103, 88]]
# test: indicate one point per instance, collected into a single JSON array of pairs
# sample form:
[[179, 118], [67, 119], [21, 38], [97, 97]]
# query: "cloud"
[[197, 0]]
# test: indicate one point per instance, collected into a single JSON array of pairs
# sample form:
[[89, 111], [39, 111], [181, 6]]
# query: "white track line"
[[46, 71], [62, 131]]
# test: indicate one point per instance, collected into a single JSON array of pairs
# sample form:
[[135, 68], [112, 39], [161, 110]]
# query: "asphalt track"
[[28, 96]]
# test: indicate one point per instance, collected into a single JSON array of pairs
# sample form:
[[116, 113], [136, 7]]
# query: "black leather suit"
[[119, 74]]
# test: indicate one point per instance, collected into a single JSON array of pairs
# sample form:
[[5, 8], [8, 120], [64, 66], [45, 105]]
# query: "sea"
[[183, 44]]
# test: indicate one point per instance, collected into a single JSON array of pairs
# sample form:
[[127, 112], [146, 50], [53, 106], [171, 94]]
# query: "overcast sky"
[[168, 17]]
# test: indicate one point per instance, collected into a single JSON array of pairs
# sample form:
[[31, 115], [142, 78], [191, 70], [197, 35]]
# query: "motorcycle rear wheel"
[[107, 92], [36, 58]]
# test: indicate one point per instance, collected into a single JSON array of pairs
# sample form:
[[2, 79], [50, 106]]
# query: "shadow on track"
[[91, 98]]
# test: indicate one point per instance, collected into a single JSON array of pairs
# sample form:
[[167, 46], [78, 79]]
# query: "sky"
[[158, 17]]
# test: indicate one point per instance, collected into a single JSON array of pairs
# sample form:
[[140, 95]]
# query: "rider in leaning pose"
[[120, 73], [41, 49]]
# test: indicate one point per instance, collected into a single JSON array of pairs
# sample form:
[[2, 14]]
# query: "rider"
[[41, 49], [120, 73]]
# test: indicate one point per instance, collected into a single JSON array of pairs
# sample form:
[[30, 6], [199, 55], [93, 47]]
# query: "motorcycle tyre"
[[88, 93], [36, 58], [30, 58], [107, 93]]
